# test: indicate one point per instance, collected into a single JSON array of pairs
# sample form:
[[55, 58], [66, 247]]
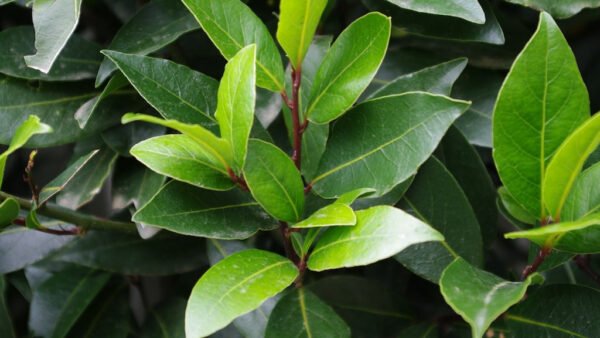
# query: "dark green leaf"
[[132, 183], [465, 9], [9, 210], [558, 9], [166, 321], [514, 208], [423, 330], [122, 138], [6, 326], [87, 110]]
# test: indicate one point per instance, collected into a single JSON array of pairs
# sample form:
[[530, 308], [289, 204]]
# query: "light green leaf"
[[298, 21], [9, 210], [233, 287], [542, 101], [54, 22], [351, 196], [181, 158], [469, 10], [192, 211], [302, 314], [584, 198], [380, 232], [175, 91], [274, 181], [348, 67], [356, 157], [580, 237], [558, 9], [31, 126], [334, 214], [566, 164], [480, 297], [231, 25], [235, 108]]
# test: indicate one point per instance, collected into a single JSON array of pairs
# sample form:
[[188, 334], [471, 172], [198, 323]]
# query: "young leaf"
[[541, 102], [302, 314], [274, 181], [54, 22], [60, 182], [334, 214], [298, 21], [465, 9], [348, 67], [479, 297], [187, 210], [9, 210], [567, 163], [584, 198], [233, 287], [231, 25], [31, 126], [235, 108], [380, 232], [356, 157], [160, 84], [558, 9], [181, 158]]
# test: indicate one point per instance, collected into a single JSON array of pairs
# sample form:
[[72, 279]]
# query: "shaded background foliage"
[[374, 300]]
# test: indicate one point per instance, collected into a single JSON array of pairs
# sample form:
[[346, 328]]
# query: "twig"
[[583, 263], [539, 259], [28, 177]]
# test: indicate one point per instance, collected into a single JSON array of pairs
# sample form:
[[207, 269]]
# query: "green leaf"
[[235, 108], [514, 208], [480, 297], [581, 236], [566, 164], [541, 102], [298, 21], [85, 112], [234, 286], [61, 181], [164, 254], [31, 126], [469, 10], [79, 60], [347, 69], [166, 321], [302, 314], [274, 181], [556, 311], [380, 232], [558, 9], [356, 157], [192, 211], [436, 79], [154, 26], [334, 214], [181, 158], [54, 22], [121, 138], [9, 210], [62, 298], [584, 198], [231, 25], [6, 326], [88, 181], [175, 91], [444, 27], [133, 183]]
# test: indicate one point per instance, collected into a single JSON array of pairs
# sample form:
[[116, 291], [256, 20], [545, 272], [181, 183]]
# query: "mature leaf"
[[558, 9], [85, 112], [443, 27], [180, 157], [541, 102], [166, 321], [88, 181], [175, 91], [133, 183], [61, 181], [514, 208], [560, 311], [164, 254], [31, 126], [348, 68], [298, 21], [274, 181], [231, 25], [479, 297], [54, 22], [235, 108], [380, 232], [62, 298], [79, 59], [566, 164], [9, 210], [302, 314], [192, 211], [409, 127], [154, 26], [469, 10], [580, 237], [121, 138], [584, 198], [436, 79], [6, 326], [234, 286]]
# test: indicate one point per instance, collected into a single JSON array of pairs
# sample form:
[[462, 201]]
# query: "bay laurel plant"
[[326, 186]]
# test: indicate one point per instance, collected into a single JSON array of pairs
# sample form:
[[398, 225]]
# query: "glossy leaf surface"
[[584, 198], [60, 182], [333, 214], [469, 10]]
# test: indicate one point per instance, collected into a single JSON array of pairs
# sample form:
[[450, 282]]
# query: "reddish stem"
[[287, 242], [583, 263], [297, 126], [63, 232], [539, 259], [238, 180]]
